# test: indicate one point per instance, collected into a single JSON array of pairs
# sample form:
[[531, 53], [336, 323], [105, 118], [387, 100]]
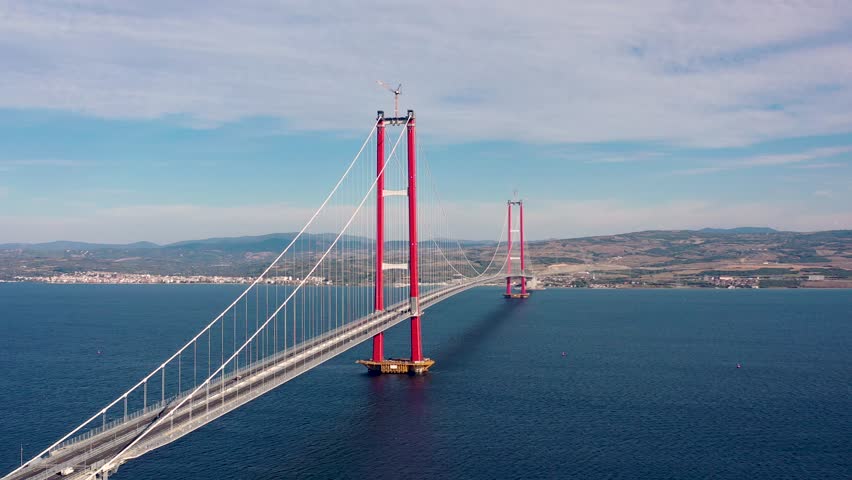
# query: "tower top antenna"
[[396, 91]]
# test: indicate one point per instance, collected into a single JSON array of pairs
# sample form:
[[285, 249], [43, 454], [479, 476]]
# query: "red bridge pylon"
[[522, 275], [416, 364]]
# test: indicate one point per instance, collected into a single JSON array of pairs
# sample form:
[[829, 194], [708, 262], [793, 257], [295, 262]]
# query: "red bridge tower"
[[522, 276], [416, 364]]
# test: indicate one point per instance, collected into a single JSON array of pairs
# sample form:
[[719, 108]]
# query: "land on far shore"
[[748, 257], [744, 257]]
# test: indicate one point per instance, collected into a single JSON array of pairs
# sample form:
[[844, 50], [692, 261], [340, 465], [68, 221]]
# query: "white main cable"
[[177, 407], [361, 226], [220, 316]]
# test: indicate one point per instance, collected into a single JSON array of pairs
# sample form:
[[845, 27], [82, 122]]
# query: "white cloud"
[[821, 165], [44, 162], [700, 73], [605, 217], [602, 217], [624, 158], [770, 160], [175, 222]]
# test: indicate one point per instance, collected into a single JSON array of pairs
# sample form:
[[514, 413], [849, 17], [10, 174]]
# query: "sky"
[[165, 121]]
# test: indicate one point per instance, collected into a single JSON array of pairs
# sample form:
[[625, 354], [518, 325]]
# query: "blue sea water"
[[648, 387]]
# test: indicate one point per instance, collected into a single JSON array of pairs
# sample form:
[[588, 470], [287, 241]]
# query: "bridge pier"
[[398, 366]]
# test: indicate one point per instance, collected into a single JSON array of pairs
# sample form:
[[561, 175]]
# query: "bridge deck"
[[91, 451]]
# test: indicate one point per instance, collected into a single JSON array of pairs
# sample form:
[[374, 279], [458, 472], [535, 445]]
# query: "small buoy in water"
[[99, 352], [739, 366], [564, 354]]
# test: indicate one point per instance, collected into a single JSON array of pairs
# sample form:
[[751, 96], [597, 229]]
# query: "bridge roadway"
[[86, 453]]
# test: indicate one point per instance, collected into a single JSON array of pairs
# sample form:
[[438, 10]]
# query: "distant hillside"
[[746, 230], [66, 245], [215, 256], [256, 243], [660, 248], [273, 242], [659, 254], [670, 257]]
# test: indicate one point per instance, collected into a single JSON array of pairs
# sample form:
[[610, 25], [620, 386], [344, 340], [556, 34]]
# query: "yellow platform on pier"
[[516, 295], [398, 365]]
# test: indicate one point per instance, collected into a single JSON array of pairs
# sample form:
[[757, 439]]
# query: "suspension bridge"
[[392, 256]]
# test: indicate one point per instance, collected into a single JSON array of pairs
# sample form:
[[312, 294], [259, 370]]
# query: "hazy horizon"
[[224, 237]]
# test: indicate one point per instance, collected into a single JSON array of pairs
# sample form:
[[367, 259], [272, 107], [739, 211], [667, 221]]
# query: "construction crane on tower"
[[396, 91]]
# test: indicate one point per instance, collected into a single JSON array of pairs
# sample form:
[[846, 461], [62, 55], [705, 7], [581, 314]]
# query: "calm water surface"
[[648, 388]]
